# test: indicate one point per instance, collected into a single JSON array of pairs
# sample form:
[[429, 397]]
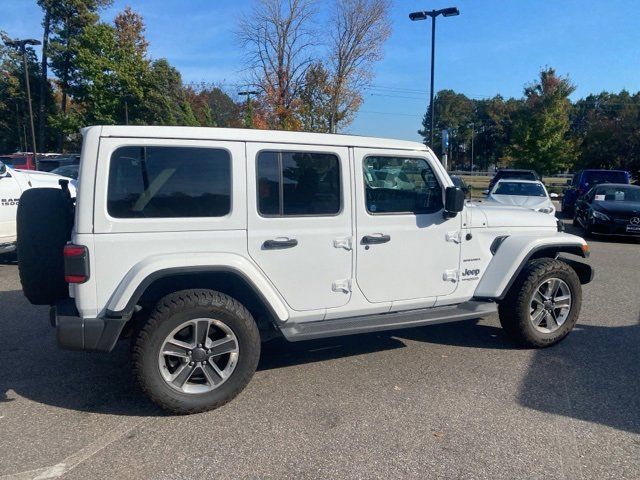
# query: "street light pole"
[[21, 44], [248, 121], [415, 16], [433, 58], [473, 133]]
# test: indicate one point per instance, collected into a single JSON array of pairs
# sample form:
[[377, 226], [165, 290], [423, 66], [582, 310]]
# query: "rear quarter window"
[[161, 182]]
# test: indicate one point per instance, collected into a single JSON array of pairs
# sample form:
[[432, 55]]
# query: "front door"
[[299, 220], [406, 249]]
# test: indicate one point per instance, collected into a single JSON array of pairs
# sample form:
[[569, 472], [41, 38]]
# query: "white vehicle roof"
[[252, 135], [517, 180]]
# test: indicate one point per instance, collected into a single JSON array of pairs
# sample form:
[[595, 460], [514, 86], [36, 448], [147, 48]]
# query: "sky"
[[493, 47]]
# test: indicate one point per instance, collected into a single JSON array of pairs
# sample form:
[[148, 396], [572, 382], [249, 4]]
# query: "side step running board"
[[387, 321]]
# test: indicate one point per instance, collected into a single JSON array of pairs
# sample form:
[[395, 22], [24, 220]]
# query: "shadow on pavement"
[[35, 368], [592, 375]]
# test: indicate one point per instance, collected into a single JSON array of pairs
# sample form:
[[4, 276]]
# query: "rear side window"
[[400, 185], [158, 182], [298, 183]]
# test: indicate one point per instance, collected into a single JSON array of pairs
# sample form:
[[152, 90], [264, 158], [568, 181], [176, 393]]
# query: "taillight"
[[76, 263]]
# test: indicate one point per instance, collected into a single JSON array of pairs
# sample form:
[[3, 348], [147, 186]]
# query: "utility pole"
[[415, 16], [248, 119], [22, 45], [473, 132]]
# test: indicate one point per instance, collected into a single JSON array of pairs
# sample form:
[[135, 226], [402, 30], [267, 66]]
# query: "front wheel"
[[196, 352], [543, 305]]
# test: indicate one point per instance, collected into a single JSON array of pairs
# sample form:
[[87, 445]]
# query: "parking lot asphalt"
[[448, 401]]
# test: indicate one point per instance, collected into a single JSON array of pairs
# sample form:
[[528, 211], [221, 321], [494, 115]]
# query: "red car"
[[20, 161]]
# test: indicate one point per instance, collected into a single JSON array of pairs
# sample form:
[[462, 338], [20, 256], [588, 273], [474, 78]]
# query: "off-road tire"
[[168, 314], [44, 223], [514, 310]]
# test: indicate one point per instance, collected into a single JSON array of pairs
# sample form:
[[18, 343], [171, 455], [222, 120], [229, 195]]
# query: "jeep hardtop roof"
[[252, 135]]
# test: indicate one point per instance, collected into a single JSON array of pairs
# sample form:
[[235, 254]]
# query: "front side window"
[[400, 185], [160, 182], [298, 183]]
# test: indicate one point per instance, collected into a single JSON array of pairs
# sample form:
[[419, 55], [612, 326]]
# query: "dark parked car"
[[586, 179], [513, 174], [609, 209], [51, 163]]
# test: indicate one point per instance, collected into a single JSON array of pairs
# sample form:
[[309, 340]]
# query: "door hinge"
[[343, 286], [450, 276], [455, 236], [343, 243]]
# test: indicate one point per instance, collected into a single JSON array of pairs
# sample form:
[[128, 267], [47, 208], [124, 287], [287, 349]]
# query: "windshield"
[[520, 188], [605, 177], [617, 194]]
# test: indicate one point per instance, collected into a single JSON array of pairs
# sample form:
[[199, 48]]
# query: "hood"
[[627, 208], [36, 179], [498, 215], [521, 201]]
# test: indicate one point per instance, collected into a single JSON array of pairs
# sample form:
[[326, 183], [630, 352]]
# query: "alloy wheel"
[[198, 356], [550, 305]]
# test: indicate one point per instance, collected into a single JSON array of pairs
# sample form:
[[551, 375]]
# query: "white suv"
[[199, 243]]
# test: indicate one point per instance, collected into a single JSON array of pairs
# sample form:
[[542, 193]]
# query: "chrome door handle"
[[279, 244], [375, 239]]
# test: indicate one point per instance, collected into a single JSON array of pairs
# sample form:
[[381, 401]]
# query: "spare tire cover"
[[44, 222]]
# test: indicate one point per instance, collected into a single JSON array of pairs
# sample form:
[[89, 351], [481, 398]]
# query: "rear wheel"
[[196, 352], [543, 305]]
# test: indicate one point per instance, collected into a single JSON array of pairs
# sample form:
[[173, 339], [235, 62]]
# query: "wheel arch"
[[513, 254], [228, 273]]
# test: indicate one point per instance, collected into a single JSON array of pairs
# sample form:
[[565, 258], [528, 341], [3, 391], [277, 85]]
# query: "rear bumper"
[[91, 334]]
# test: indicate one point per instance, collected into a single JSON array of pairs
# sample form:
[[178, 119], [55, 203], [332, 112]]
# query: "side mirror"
[[3, 169], [553, 195], [453, 201]]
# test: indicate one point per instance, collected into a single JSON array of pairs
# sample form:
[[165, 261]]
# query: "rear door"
[[299, 221]]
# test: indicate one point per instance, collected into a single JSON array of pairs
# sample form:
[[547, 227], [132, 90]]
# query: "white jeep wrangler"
[[199, 243]]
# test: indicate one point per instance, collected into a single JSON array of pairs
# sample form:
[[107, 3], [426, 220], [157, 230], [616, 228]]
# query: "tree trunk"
[[63, 83], [42, 106]]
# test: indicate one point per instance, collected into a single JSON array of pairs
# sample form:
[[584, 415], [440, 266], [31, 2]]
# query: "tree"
[[165, 99], [14, 117], [68, 19], [277, 39], [607, 127], [455, 113], [316, 100], [46, 6], [213, 107], [541, 138], [493, 124], [358, 31]]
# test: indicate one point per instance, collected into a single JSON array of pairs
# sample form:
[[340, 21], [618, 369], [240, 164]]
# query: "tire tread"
[[166, 307]]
